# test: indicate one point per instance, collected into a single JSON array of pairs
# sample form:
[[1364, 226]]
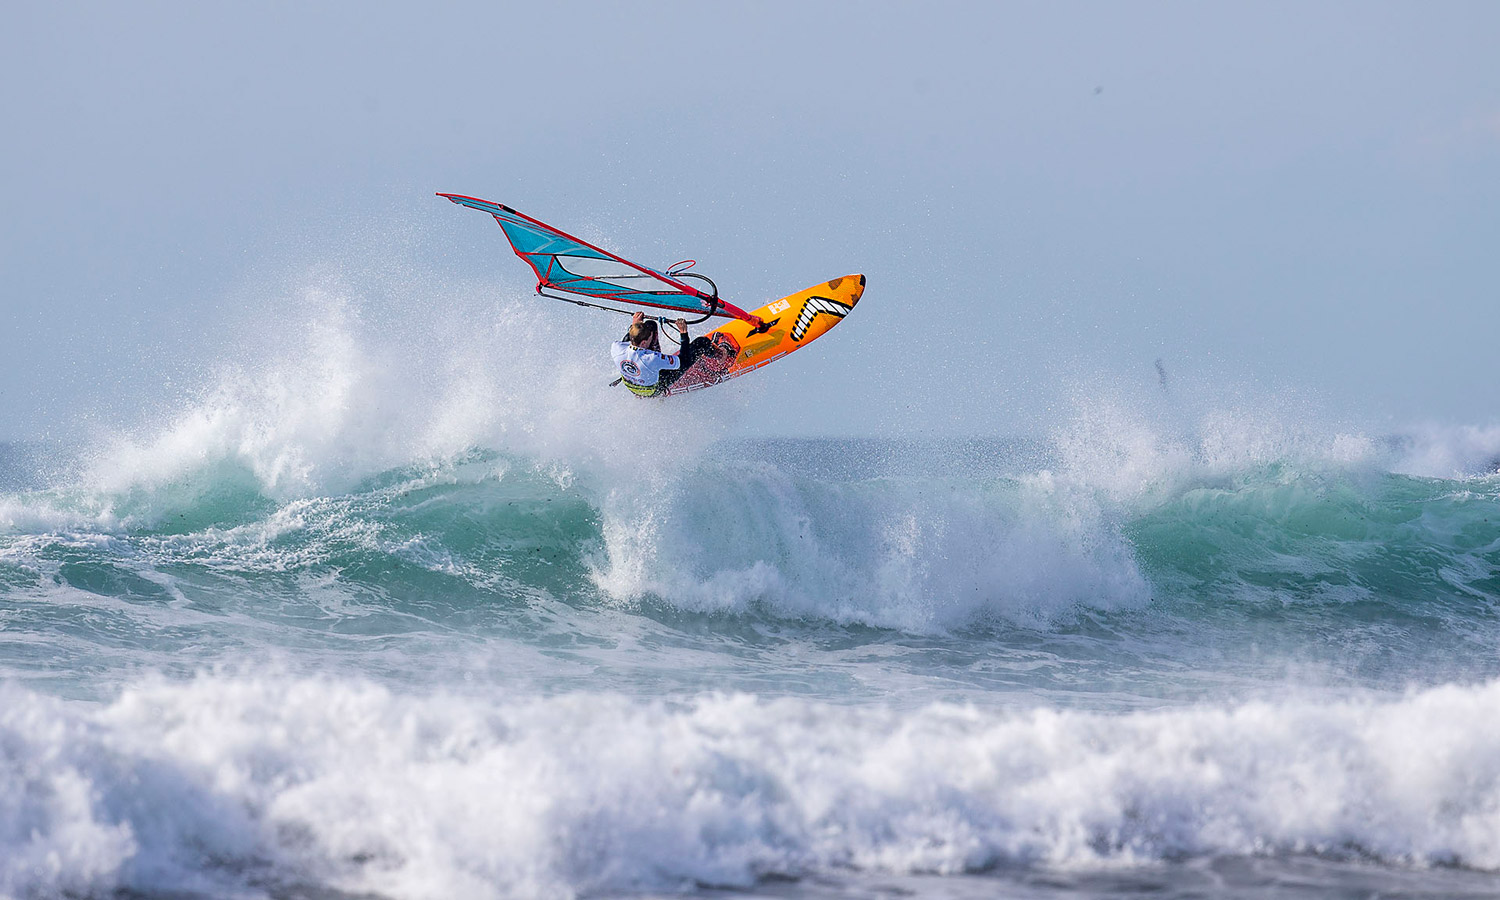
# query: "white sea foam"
[[918, 554], [231, 782]]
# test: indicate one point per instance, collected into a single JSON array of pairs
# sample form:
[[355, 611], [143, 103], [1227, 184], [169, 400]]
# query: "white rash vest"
[[640, 366]]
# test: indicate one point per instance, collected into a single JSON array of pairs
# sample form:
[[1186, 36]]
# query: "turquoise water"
[[396, 606], [1055, 667]]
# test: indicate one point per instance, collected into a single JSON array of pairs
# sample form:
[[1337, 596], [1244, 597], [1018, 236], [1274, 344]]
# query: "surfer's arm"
[[682, 343]]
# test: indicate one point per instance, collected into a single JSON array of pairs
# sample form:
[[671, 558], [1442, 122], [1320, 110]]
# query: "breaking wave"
[[267, 782]]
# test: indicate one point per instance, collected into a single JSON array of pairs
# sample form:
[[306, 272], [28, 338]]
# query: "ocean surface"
[[327, 630]]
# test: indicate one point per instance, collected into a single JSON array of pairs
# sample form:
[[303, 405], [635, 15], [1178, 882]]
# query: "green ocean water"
[[794, 667]]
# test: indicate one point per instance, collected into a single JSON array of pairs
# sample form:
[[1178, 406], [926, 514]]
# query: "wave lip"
[[254, 782], [918, 554]]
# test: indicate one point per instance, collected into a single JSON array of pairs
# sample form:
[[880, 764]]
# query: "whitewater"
[[394, 604]]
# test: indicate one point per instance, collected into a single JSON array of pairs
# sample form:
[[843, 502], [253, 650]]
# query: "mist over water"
[[403, 600]]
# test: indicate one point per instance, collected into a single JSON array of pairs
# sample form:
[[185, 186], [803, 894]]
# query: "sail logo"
[[814, 307]]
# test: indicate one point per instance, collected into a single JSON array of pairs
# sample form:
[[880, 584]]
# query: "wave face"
[[1375, 577], [432, 616]]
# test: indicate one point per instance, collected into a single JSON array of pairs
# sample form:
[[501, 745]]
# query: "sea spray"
[[412, 604]]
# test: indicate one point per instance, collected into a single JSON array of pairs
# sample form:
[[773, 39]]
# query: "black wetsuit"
[[687, 354]]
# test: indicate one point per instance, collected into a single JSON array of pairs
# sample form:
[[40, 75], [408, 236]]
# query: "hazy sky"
[[1046, 197]]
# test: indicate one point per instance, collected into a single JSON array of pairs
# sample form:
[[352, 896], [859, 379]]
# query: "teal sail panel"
[[566, 263]]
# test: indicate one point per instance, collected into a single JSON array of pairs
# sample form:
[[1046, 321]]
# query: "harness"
[[642, 390]]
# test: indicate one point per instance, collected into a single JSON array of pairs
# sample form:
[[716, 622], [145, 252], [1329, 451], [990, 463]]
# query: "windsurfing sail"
[[565, 263]]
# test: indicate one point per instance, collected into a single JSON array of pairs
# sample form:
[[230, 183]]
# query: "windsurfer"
[[644, 369]]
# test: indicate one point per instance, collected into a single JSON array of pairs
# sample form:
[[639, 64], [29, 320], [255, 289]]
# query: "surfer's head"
[[643, 333]]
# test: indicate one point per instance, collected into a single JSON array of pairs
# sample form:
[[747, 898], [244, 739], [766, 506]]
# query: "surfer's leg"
[[701, 349], [686, 354], [711, 356], [665, 377]]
